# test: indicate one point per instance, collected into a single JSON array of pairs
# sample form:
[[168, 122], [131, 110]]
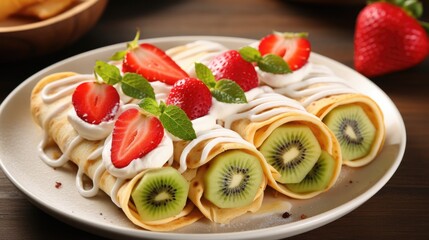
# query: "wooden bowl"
[[22, 38]]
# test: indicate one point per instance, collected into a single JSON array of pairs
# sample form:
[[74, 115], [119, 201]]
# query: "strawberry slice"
[[134, 135], [95, 102], [153, 64], [294, 48], [192, 96], [230, 65]]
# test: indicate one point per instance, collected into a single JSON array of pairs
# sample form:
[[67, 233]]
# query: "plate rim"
[[295, 228]]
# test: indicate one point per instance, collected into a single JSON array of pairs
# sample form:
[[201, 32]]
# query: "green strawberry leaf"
[[205, 75], [413, 8], [131, 45], [175, 121], [292, 34], [136, 86], [108, 73], [150, 105], [228, 91], [250, 54], [119, 55], [274, 64]]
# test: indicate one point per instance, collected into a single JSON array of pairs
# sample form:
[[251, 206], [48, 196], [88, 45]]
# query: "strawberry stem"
[[414, 8], [425, 25]]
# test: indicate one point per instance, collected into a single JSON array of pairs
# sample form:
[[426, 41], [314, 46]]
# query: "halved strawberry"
[[295, 48], [95, 102], [230, 65], [153, 64], [134, 135], [192, 96]]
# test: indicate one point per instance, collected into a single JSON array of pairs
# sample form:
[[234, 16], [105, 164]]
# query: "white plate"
[[19, 137]]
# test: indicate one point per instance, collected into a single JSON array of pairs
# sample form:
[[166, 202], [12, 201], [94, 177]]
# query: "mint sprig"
[[132, 84], [108, 73], [269, 63], [224, 90], [172, 118]]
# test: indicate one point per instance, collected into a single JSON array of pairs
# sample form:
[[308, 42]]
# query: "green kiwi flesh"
[[318, 178], [233, 179], [292, 149], [353, 129], [160, 194]]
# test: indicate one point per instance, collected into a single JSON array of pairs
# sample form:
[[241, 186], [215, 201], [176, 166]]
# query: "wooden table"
[[400, 210]]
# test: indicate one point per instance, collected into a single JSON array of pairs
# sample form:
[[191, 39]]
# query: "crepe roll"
[[52, 110], [227, 174], [303, 154], [356, 119]]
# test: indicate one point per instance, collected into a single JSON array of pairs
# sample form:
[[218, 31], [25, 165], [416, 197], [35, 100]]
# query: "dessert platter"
[[200, 137]]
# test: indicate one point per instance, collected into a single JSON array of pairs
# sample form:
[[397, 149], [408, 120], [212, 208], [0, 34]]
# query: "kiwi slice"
[[161, 193], [353, 129], [292, 149], [319, 176], [233, 179]]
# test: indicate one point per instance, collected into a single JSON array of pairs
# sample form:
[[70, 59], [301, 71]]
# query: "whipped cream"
[[281, 80], [308, 84], [161, 90], [215, 136], [90, 131]]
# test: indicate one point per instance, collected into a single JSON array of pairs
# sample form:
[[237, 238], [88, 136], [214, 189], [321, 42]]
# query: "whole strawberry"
[[192, 96], [388, 38], [231, 65]]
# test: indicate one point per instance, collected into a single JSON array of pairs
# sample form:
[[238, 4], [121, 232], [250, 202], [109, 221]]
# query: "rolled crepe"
[[194, 158], [268, 111], [320, 91], [50, 104]]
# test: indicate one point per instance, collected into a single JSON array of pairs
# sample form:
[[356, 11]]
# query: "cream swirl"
[[265, 106], [90, 131], [215, 136], [308, 84], [281, 80]]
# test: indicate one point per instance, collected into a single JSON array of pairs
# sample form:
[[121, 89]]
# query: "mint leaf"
[[175, 121], [108, 73], [205, 75], [274, 64], [228, 91], [150, 105], [136, 86], [162, 106], [250, 54]]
